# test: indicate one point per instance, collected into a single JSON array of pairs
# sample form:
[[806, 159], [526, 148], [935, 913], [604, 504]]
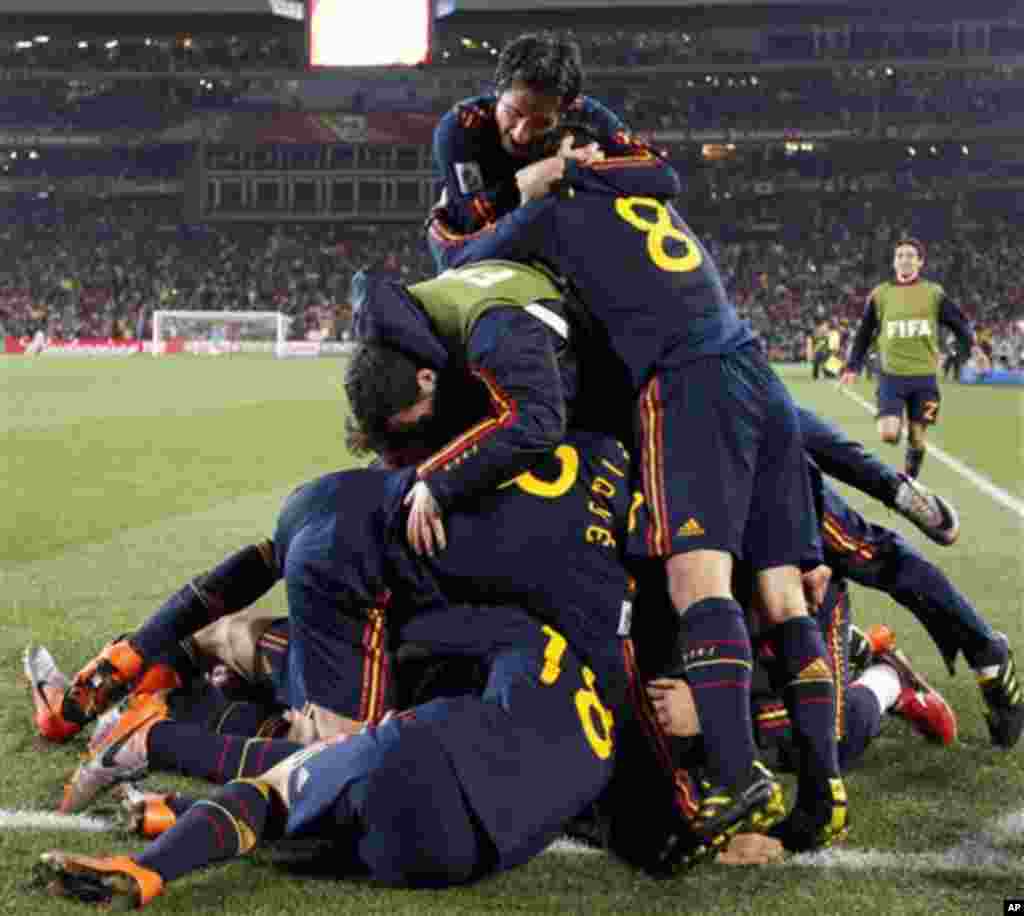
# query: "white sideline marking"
[[978, 852], [51, 820], [1001, 496]]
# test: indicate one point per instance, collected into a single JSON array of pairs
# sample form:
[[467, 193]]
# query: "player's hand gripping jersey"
[[478, 174], [548, 540], [640, 271]]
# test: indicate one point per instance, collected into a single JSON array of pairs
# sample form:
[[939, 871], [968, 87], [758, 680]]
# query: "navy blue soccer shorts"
[[918, 394], [337, 656], [723, 464], [462, 786]]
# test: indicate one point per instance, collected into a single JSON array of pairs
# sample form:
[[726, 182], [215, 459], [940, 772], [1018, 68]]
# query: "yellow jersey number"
[[595, 717], [658, 231], [569, 470]]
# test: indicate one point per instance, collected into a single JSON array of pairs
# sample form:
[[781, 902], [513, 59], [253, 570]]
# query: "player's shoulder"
[[879, 291], [594, 114], [934, 288], [469, 115]]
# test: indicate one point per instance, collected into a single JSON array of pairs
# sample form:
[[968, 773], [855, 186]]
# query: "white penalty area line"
[[1001, 496], [51, 820], [979, 852]]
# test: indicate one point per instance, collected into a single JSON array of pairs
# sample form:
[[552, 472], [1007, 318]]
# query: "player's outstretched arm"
[[234, 584]]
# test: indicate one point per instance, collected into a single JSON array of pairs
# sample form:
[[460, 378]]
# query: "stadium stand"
[[205, 168]]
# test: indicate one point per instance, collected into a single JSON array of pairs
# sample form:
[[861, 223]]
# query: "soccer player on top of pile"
[[902, 318], [484, 146]]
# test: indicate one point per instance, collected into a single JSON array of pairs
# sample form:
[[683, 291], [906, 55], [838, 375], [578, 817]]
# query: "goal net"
[[220, 333]]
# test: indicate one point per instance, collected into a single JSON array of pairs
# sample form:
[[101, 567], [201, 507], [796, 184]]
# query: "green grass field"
[[124, 477]]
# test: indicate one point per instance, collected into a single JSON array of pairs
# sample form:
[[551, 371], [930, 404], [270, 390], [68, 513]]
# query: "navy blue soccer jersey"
[[640, 271], [550, 541], [478, 174]]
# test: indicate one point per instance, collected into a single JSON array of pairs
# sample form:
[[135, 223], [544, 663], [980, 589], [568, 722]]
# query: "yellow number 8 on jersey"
[[658, 231]]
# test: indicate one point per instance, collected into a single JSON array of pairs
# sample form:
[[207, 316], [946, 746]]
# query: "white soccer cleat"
[[47, 683], [933, 515], [117, 751]]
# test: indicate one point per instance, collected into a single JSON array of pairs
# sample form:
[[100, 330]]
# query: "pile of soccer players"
[[596, 579]]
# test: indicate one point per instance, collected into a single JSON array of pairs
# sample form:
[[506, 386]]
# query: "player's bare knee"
[[695, 576], [779, 596]]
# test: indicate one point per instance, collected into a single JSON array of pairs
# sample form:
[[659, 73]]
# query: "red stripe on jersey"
[[505, 413]]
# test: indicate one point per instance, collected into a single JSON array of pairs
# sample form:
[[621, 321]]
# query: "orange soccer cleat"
[[102, 682], [111, 881]]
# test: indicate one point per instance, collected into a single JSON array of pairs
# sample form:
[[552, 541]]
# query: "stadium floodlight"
[[385, 33], [217, 333]]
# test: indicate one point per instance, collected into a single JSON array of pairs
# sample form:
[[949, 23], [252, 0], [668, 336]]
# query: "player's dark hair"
[[544, 63], [922, 252], [379, 382]]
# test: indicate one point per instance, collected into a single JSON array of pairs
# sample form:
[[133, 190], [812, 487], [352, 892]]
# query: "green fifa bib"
[[457, 299], [908, 327]]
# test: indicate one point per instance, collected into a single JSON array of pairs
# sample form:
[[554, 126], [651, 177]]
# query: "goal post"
[[215, 333]]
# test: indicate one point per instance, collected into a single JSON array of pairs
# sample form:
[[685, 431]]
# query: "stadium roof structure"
[[945, 8], [80, 8], [754, 12]]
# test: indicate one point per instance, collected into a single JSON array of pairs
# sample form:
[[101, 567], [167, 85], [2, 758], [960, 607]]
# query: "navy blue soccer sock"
[[717, 662], [915, 458], [808, 690], [233, 584], [196, 752], [863, 715], [226, 826], [213, 710], [181, 615]]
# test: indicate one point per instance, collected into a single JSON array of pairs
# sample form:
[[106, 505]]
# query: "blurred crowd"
[[858, 100], [652, 43], [100, 269], [786, 290]]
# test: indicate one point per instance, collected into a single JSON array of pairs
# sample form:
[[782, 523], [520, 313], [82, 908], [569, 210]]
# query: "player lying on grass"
[[558, 554], [193, 607], [441, 794], [457, 788]]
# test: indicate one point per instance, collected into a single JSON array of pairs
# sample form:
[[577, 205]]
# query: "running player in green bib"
[[902, 319]]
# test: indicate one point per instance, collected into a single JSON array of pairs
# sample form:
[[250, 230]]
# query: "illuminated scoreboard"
[[379, 33]]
